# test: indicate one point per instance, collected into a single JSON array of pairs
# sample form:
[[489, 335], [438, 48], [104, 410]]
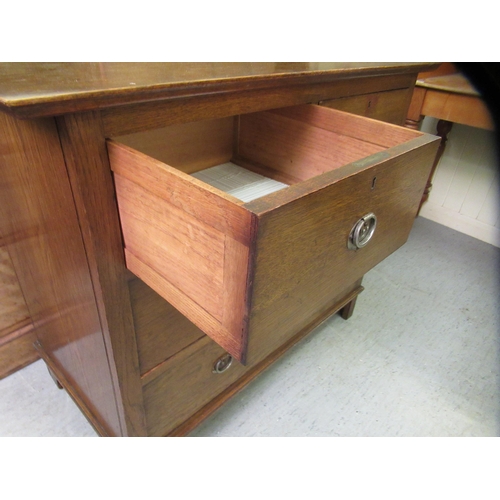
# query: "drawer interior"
[[284, 146]]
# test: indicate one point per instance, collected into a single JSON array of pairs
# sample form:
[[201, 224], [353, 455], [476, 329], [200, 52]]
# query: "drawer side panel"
[[187, 241], [183, 249]]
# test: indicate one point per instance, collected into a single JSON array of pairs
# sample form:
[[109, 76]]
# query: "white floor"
[[419, 357]]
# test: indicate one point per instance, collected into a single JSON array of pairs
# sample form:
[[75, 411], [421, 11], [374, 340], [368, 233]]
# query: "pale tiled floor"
[[419, 357]]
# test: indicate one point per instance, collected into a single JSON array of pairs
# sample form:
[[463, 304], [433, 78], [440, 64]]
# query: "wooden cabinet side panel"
[[13, 308], [85, 154], [16, 329], [18, 352], [50, 261]]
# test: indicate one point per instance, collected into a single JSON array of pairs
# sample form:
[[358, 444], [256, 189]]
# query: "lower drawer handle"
[[362, 232], [222, 364]]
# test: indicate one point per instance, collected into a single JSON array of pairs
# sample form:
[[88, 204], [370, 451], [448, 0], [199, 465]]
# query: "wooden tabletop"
[[455, 83], [47, 89]]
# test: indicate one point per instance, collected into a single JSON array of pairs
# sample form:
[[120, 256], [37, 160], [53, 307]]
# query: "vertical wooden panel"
[[17, 351], [187, 146], [186, 251], [302, 255], [86, 158], [16, 329], [13, 308], [48, 255], [188, 241]]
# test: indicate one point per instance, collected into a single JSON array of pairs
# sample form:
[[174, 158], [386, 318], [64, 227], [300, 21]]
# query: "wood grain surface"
[[302, 255], [13, 309], [86, 158], [179, 241], [48, 89], [100, 332], [16, 348], [16, 329], [188, 241], [149, 115], [185, 385], [50, 261], [187, 146], [161, 330], [387, 106]]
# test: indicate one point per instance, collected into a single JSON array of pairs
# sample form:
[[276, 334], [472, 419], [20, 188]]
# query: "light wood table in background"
[[131, 361], [447, 95]]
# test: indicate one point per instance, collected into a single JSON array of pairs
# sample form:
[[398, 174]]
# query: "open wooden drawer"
[[251, 274]]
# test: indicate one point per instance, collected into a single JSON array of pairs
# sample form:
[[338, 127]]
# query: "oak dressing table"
[[156, 296]]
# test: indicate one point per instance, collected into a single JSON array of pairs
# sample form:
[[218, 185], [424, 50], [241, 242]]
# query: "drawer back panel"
[[302, 142]]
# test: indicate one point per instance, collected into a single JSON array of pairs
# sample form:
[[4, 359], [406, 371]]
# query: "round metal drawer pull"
[[362, 232], [222, 364]]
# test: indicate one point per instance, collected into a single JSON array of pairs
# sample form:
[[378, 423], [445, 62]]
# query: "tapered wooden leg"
[[348, 309]]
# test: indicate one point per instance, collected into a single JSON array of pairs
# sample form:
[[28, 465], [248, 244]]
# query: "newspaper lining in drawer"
[[238, 181]]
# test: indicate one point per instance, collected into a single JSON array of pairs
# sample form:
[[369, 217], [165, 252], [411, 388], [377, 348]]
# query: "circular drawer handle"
[[222, 364], [362, 232]]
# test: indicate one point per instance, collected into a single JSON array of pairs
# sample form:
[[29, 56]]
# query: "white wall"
[[465, 191]]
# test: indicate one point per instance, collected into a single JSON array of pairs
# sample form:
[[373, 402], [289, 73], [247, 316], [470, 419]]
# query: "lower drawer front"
[[186, 384]]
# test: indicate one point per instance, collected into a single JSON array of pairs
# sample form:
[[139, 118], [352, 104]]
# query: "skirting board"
[[461, 223]]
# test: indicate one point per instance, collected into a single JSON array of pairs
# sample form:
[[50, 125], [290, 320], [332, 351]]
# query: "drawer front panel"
[[389, 107], [302, 252], [185, 385]]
